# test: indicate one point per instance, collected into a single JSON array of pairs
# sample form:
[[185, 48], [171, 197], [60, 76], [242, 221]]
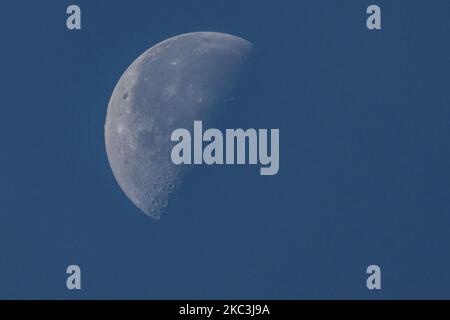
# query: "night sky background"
[[364, 178]]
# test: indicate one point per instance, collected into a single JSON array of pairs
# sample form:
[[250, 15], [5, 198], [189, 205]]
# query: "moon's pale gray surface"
[[179, 80]]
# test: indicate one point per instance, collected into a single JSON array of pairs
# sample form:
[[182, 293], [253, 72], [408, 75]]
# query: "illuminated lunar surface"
[[179, 80]]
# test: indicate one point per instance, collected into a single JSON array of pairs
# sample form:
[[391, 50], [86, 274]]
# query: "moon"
[[177, 81]]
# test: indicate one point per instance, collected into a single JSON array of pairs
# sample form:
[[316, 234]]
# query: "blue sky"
[[364, 119]]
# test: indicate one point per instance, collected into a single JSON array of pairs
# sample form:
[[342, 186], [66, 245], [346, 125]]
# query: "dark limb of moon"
[[179, 80]]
